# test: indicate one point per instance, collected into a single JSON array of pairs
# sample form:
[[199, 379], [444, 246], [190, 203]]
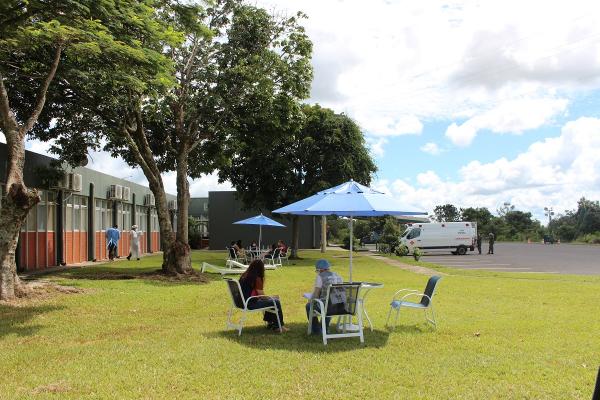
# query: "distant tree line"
[[508, 224]]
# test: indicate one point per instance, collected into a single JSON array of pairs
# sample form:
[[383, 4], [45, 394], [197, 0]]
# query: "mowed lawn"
[[499, 336]]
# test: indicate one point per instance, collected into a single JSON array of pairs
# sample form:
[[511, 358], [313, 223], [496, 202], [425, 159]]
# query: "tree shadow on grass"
[[14, 319], [297, 340], [151, 276]]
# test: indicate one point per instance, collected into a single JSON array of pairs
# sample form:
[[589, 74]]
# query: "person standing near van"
[[135, 243], [491, 239], [479, 239]]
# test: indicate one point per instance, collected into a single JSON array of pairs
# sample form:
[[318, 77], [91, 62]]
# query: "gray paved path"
[[523, 257]]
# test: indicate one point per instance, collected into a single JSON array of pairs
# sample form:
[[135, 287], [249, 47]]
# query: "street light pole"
[[548, 212]]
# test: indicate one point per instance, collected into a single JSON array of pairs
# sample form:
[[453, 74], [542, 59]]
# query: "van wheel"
[[462, 250]]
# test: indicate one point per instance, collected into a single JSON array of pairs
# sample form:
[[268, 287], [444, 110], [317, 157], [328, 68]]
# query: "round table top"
[[371, 285]]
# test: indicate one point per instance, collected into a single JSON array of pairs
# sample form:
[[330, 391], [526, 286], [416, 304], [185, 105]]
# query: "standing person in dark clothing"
[[252, 283], [491, 239], [479, 238]]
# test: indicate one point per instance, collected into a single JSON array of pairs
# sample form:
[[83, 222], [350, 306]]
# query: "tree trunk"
[[19, 200], [295, 236], [181, 261]]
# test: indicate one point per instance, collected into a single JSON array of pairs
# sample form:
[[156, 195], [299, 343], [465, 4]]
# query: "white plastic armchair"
[[341, 301], [425, 301], [238, 302]]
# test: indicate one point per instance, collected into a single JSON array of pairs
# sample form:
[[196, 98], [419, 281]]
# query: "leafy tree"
[[234, 62], [519, 224], [297, 153], [447, 213], [44, 48], [481, 215]]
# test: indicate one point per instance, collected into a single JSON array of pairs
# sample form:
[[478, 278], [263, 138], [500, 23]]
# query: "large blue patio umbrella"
[[261, 221], [349, 199]]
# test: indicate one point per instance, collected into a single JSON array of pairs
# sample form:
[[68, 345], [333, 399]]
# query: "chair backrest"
[[235, 291], [342, 298], [232, 254], [430, 289], [277, 252]]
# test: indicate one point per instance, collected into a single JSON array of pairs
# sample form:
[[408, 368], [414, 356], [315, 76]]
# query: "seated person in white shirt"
[[324, 279]]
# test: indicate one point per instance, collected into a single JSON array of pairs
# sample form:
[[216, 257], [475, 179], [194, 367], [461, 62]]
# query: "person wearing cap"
[[325, 277], [134, 243]]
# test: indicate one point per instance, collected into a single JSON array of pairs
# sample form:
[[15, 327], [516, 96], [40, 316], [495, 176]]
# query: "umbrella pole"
[[351, 233], [259, 236]]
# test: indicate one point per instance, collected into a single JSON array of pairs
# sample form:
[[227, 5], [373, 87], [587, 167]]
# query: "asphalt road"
[[522, 257]]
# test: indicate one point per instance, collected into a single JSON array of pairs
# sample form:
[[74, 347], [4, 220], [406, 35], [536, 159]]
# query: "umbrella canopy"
[[349, 199], [260, 220]]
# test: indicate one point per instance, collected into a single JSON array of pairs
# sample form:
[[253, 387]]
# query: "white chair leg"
[[397, 315], [310, 317], [433, 317], [242, 320], [324, 328], [360, 327], [387, 321]]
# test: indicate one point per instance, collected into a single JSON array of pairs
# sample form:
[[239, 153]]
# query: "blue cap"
[[322, 264]]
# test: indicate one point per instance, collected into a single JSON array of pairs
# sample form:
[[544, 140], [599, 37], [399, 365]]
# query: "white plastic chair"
[[425, 303], [341, 301], [238, 302]]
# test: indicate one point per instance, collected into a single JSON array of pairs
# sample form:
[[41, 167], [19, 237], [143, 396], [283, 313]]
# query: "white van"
[[458, 237]]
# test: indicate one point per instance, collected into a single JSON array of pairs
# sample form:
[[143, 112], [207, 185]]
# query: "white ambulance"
[[458, 237]]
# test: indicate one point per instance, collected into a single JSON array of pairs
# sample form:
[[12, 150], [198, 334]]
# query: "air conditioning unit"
[[115, 192], [126, 193], [76, 182], [65, 182], [172, 204], [149, 199]]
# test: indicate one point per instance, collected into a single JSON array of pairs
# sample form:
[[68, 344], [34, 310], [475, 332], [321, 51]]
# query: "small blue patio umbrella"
[[349, 199], [261, 221]]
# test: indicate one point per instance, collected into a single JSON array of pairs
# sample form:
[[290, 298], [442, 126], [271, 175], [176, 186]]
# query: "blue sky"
[[469, 102]]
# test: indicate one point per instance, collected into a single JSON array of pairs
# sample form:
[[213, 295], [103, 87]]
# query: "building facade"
[[68, 225], [224, 209]]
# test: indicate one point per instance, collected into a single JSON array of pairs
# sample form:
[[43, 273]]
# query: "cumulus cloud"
[[555, 172], [431, 148], [514, 117]]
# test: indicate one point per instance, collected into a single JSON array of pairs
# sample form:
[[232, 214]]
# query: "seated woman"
[[252, 283], [239, 249], [282, 246], [271, 252]]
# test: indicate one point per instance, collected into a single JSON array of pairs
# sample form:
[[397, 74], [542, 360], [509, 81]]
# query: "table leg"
[[364, 308]]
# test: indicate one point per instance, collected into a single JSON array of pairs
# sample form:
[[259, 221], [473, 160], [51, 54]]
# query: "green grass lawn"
[[499, 336]]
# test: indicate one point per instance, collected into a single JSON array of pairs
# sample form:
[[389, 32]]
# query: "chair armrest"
[[321, 306], [415, 294], [402, 290], [262, 296]]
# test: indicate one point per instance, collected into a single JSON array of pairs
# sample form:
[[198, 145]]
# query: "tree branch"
[[41, 95], [5, 113]]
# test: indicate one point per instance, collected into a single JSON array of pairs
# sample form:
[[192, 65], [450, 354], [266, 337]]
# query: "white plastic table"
[[365, 289]]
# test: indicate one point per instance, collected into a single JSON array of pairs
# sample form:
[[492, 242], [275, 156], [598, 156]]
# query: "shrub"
[[591, 238], [355, 243], [417, 253], [402, 250]]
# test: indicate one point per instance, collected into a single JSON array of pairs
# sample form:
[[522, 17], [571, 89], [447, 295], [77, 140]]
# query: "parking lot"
[[522, 257]]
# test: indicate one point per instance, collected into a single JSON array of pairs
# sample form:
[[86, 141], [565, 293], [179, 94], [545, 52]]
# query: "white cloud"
[[431, 148], [376, 146], [553, 172], [425, 60], [514, 117]]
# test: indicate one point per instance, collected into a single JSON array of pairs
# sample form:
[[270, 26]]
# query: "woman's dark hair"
[[239, 243], [256, 269]]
